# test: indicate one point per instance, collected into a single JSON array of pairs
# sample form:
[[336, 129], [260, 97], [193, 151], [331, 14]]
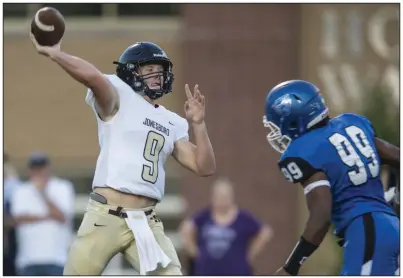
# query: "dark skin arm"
[[389, 154], [319, 201]]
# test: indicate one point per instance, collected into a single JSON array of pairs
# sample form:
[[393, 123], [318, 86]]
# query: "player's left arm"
[[198, 157], [319, 201], [388, 153]]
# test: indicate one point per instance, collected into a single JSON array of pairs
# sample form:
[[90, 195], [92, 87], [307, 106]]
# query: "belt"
[[118, 212]]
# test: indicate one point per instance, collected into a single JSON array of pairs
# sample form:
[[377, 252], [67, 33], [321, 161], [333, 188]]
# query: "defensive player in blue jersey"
[[337, 161]]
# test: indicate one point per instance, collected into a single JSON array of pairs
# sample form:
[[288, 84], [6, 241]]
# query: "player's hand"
[[282, 272], [195, 105], [48, 51]]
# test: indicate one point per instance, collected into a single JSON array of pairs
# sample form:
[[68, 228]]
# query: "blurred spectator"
[[223, 239], [43, 209], [11, 182]]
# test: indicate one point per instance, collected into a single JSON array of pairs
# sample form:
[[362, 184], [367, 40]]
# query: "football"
[[48, 26]]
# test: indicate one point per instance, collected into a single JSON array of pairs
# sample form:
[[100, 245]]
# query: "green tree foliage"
[[384, 114]]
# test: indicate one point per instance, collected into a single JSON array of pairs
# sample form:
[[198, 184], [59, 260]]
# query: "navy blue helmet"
[[140, 54]]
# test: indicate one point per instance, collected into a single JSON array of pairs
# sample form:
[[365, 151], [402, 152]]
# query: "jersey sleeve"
[[183, 130], [181, 127], [297, 169], [90, 98]]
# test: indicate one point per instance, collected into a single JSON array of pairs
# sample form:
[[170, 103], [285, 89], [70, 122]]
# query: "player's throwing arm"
[[43, 28]]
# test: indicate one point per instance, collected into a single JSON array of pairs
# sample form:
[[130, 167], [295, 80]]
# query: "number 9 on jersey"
[[152, 149], [292, 172]]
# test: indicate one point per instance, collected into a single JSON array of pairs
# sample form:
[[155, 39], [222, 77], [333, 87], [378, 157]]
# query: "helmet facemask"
[[129, 72], [278, 141]]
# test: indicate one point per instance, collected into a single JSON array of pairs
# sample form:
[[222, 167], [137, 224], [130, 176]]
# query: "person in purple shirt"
[[223, 239]]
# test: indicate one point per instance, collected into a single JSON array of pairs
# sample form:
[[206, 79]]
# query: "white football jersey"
[[136, 143]]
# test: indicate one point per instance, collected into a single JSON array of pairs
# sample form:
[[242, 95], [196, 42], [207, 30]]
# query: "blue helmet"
[[292, 108]]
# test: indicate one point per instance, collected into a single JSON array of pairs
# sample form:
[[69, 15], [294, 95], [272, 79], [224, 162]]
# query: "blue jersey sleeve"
[[301, 161]]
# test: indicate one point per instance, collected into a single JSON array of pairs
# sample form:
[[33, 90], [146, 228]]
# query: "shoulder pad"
[[362, 119]]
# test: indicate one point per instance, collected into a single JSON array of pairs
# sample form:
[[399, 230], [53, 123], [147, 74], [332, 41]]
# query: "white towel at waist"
[[150, 252]]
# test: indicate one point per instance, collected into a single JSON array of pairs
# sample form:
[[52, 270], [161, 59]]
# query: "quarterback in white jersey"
[[136, 136], [136, 143]]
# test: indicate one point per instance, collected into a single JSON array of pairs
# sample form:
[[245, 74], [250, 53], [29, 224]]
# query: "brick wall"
[[236, 53]]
